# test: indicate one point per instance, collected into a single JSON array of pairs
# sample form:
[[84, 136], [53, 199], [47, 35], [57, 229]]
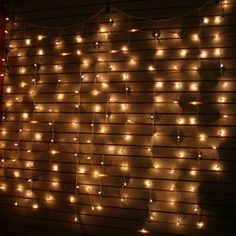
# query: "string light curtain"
[[118, 125]]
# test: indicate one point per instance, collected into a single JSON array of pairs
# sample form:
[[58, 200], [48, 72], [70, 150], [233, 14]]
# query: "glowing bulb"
[[160, 52], [72, 199], [148, 183], [20, 188], [205, 20], [221, 132], [40, 52], [78, 52], [49, 198], [200, 224], [35, 206], [22, 70], [202, 137], [124, 49], [40, 37], [16, 174], [29, 164], [216, 167], [183, 52], [27, 41], [3, 187], [95, 92], [97, 108], [55, 167], [217, 37], [217, 52], [53, 152], [60, 96], [203, 54], [159, 84], [222, 99], [195, 37], [151, 68], [79, 39], [143, 231], [38, 136], [217, 20]]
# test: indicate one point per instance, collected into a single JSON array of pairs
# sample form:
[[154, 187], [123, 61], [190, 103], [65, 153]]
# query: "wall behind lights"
[[120, 125]]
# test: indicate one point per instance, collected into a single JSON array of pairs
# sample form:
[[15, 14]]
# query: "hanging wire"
[[104, 8]]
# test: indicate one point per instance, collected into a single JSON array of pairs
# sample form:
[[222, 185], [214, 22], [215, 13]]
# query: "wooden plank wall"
[[119, 125]]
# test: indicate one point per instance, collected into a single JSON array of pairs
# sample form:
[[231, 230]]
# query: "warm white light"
[[217, 52], [60, 96], [40, 37], [3, 187], [160, 52], [79, 39], [97, 108], [22, 70], [203, 54], [78, 52], [40, 52], [124, 48], [148, 183], [20, 188], [195, 37], [216, 167], [16, 173], [217, 37], [192, 120], [159, 84], [99, 207], [27, 41], [38, 136], [35, 206], [194, 86], [55, 167], [143, 231], [49, 198], [22, 84], [200, 224], [221, 132], [151, 68], [183, 52], [72, 199], [217, 20], [205, 20], [193, 172], [202, 137], [95, 92], [222, 99], [29, 164]]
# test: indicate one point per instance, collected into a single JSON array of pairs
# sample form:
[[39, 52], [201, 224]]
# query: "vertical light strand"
[[195, 121], [199, 154], [49, 197], [154, 136], [77, 154], [95, 108], [3, 160], [125, 135], [33, 121], [107, 87], [20, 129], [221, 100]]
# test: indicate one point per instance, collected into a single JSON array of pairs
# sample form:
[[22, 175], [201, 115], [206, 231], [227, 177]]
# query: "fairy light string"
[[95, 109], [124, 108], [78, 154]]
